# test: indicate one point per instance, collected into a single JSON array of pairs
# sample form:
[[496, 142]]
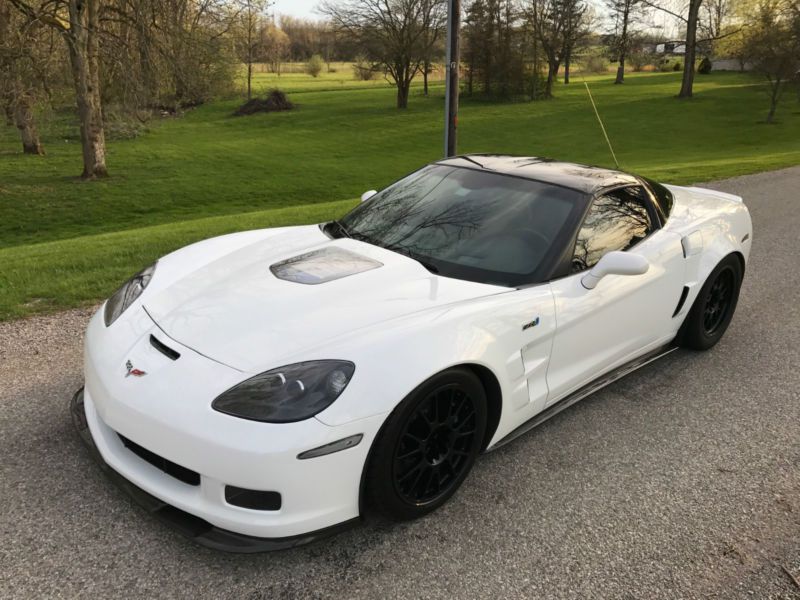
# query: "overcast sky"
[[296, 8], [305, 8]]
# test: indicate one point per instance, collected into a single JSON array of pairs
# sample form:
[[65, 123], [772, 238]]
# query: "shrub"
[[596, 64], [704, 68], [275, 101], [678, 66], [639, 60], [363, 69], [314, 65], [124, 124]]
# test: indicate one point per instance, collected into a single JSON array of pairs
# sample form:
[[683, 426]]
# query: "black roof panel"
[[583, 178]]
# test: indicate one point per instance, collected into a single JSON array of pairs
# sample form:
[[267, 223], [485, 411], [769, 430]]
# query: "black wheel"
[[427, 446], [713, 309]]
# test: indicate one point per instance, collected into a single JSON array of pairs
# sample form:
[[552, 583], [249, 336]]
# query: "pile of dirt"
[[276, 100]]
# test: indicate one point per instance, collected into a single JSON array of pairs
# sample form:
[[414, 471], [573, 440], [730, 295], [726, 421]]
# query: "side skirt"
[[585, 391]]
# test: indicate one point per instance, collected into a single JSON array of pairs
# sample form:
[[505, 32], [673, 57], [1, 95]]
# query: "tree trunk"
[[82, 39], [536, 68], [249, 50], [567, 61], [8, 109], [552, 73], [691, 49], [425, 69], [775, 95], [6, 87], [23, 119], [249, 79], [144, 43], [623, 45], [402, 93], [471, 72]]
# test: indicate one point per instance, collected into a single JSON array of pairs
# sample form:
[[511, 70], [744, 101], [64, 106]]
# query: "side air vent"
[[163, 348], [682, 301]]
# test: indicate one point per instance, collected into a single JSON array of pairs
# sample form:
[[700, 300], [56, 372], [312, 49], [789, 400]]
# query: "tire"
[[714, 306], [427, 446]]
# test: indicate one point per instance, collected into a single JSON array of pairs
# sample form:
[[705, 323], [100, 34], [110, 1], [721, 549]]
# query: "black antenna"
[[599, 120]]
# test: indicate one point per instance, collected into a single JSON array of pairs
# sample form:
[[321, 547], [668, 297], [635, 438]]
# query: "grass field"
[[345, 137]]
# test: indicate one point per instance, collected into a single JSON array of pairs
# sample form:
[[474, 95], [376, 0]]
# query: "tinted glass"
[[470, 224], [616, 221], [662, 195]]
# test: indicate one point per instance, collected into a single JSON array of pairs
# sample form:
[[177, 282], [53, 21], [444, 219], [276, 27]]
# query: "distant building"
[[730, 64], [673, 47]]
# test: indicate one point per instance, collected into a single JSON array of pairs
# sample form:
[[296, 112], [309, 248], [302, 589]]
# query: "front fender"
[[494, 332]]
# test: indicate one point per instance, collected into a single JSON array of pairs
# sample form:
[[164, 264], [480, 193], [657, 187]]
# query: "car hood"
[[252, 306]]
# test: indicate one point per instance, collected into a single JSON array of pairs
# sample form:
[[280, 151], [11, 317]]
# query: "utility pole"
[[453, 60]]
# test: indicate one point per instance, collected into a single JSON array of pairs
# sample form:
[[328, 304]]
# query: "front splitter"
[[196, 529]]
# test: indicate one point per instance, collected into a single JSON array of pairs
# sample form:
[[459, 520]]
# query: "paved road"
[[680, 481]]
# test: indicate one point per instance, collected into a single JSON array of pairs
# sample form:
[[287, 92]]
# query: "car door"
[[623, 316]]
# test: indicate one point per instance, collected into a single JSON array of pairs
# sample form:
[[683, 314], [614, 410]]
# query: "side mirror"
[[615, 263], [367, 195]]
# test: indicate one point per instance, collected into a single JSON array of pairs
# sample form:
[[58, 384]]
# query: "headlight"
[[287, 394], [127, 294]]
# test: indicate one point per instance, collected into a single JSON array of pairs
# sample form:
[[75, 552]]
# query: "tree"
[[691, 20], [275, 46], [314, 65], [393, 33], [625, 13], [687, 81], [23, 73], [431, 46], [307, 37], [194, 45], [496, 49], [772, 43], [576, 31], [555, 24], [713, 17], [249, 41], [81, 32]]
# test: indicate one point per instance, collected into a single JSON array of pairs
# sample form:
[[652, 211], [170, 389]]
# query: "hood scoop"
[[322, 266]]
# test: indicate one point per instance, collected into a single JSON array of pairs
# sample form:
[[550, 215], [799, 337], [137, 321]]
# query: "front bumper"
[[143, 428], [195, 528]]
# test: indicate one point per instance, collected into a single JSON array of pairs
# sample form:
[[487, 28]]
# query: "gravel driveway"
[[679, 481]]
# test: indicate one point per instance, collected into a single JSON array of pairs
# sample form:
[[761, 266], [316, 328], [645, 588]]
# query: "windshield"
[[470, 224]]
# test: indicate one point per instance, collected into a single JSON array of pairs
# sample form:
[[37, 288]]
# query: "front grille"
[[170, 468]]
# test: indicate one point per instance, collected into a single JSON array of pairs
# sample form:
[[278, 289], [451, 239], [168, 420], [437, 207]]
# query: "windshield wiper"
[[474, 162], [340, 228]]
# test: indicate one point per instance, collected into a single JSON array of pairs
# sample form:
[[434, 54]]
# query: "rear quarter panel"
[[715, 224]]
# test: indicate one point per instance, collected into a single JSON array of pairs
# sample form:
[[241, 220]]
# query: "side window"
[[616, 221], [663, 197]]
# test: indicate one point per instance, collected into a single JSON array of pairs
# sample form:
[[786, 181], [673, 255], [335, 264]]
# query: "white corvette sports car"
[[262, 389]]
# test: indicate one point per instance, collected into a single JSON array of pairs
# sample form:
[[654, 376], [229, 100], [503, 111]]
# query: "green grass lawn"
[[48, 276], [344, 137]]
